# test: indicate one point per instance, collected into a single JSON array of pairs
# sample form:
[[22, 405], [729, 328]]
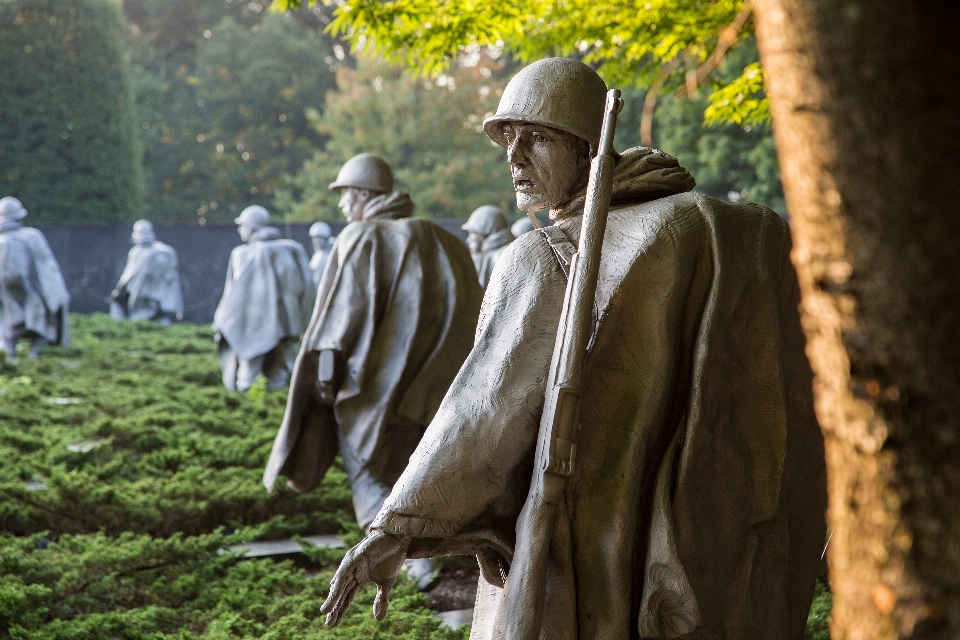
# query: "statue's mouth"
[[521, 185]]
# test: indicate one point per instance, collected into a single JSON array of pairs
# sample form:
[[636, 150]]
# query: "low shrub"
[[131, 430]]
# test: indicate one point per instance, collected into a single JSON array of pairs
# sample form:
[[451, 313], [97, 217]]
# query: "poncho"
[[33, 295], [150, 281], [399, 299], [697, 502], [490, 249], [267, 296]]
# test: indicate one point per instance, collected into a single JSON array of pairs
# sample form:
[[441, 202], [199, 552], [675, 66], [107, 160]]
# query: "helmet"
[[521, 226], [254, 216], [486, 220], [143, 232], [11, 209], [556, 92], [320, 230], [365, 171]]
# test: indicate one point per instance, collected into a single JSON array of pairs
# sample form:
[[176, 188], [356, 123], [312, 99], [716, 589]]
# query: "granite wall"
[[92, 258]]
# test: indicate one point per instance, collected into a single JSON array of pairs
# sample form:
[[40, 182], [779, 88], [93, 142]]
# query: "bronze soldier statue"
[[695, 497], [33, 296], [321, 236], [488, 235], [149, 287], [395, 316], [265, 306]]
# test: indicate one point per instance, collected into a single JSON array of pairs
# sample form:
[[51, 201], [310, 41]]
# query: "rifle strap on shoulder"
[[561, 245]]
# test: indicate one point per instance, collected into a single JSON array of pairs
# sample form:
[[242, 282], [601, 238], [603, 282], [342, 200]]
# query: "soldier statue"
[[395, 316], [321, 235], [488, 235], [694, 497], [265, 305], [523, 225], [149, 287], [33, 296]]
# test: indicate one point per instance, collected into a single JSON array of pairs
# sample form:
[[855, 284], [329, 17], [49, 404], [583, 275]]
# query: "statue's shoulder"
[[682, 207], [27, 234], [527, 251]]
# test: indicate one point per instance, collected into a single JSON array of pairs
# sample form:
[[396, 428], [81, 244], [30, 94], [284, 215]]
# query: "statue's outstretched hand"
[[378, 559]]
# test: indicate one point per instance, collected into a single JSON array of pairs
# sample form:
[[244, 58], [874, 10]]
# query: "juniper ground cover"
[[127, 469]]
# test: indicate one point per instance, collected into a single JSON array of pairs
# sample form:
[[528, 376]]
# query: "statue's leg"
[[228, 364], [10, 346], [279, 363], [36, 343], [248, 371], [118, 311]]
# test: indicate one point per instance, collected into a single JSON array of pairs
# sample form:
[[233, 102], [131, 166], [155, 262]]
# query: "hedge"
[[68, 142]]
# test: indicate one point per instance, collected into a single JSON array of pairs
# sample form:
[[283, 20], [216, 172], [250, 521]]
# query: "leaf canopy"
[[629, 43]]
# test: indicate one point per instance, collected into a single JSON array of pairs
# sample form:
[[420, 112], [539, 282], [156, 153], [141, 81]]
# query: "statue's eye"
[[539, 137]]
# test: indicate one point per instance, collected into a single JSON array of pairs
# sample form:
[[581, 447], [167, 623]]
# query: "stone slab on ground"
[[456, 619], [285, 547]]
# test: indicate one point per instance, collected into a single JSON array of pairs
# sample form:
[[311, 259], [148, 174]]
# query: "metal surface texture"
[[486, 220], [254, 216], [11, 209], [365, 171], [556, 92], [143, 232]]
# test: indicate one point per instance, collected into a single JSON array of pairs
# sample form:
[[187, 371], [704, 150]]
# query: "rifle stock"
[[556, 442]]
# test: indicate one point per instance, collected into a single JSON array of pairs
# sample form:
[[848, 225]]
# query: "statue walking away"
[[265, 305], [149, 287], [321, 235], [33, 296], [395, 316], [693, 497], [488, 234]]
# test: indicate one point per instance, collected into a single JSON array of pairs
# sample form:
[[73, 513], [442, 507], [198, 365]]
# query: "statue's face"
[[352, 202], [245, 232], [474, 240], [547, 164]]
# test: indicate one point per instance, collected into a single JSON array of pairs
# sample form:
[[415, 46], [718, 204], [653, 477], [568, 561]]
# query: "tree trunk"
[[865, 98]]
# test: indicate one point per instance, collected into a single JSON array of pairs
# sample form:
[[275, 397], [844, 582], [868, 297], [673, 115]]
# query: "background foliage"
[[729, 159], [68, 143], [427, 129], [222, 90], [630, 44]]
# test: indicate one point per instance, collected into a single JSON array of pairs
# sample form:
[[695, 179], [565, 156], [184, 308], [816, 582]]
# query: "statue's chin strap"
[[533, 220]]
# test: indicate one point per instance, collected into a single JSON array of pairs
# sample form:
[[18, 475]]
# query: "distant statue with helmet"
[[664, 477], [395, 316], [321, 236], [33, 295], [266, 303], [488, 234], [524, 224], [149, 287]]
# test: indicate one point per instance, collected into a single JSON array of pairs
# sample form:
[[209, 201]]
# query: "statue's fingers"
[[341, 605], [338, 588], [380, 602]]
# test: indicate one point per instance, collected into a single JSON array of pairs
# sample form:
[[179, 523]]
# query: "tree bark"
[[865, 99]]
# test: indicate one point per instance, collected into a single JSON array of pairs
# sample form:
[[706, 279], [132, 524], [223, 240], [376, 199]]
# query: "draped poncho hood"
[[267, 296], [399, 300], [33, 295]]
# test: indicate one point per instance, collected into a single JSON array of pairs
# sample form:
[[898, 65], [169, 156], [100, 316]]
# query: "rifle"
[[556, 442]]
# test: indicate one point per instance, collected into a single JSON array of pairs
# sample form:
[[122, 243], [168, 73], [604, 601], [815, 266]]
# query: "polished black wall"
[[92, 258]]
